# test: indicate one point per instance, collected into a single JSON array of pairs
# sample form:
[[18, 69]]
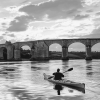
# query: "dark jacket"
[[58, 76]]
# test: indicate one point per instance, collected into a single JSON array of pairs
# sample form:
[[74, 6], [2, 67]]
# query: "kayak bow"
[[67, 83]]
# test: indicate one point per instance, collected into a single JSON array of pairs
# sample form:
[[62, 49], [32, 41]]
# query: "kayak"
[[67, 83]]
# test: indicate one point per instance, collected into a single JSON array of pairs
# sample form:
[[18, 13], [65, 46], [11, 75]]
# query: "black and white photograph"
[[49, 50]]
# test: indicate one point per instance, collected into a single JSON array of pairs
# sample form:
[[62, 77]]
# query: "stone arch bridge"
[[40, 48]]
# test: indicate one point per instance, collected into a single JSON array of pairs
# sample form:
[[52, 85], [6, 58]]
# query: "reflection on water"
[[26, 81], [89, 69], [58, 88]]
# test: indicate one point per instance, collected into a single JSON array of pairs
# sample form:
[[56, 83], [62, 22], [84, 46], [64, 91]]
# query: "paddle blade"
[[70, 69]]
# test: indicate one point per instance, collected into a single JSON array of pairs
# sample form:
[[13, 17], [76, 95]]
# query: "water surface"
[[26, 81]]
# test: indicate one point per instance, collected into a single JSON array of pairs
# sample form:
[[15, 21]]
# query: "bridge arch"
[[3, 53], [76, 50], [25, 52], [25, 47], [96, 46], [55, 47], [77, 46], [55, 51], [96, 51], [50, 42], [72, 42], [23, 44], [94, 42]]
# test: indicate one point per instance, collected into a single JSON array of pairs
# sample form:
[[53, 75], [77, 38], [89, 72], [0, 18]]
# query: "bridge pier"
[[65, 53], [1, 54], [17, 54], [88, 53], [10, 53], [41, 52], [10, 50]]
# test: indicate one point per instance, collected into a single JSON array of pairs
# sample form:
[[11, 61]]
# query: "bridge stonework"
[[40, 48]]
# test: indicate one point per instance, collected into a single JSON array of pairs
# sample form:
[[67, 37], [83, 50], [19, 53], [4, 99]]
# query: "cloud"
[[89, 11], [57, 9], [95, 34], [98, 13], [91, 2], [11, 35], [6, 3], [13, 40], [50, 19], [1, 37], [4, 23], [80, 17], [16, 20], [15, 10], [26, 39], [42, 11], [19, 23], [2, 40], [25, 1], [74, 27]]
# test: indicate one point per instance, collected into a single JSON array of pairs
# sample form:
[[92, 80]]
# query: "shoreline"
[[43, 60]]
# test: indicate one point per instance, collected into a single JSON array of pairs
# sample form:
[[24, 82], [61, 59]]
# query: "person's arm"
[[53, 73], [62, 75]]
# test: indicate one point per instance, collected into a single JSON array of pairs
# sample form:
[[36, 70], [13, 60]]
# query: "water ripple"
[[26, 82]]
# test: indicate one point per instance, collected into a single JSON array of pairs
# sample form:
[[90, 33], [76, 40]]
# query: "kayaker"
[[58, 75]]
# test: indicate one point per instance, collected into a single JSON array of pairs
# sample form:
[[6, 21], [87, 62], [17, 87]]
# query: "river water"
[[26, 82]]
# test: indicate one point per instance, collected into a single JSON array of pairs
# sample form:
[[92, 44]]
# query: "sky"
[[29, 20]]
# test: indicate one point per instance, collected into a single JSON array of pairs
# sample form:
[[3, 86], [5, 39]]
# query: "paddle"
[[70, 69]]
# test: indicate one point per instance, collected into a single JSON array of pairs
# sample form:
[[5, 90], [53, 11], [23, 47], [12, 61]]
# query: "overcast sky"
[[25, 20]]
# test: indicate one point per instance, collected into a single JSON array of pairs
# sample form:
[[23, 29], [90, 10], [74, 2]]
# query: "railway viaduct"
[[40, 48]]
